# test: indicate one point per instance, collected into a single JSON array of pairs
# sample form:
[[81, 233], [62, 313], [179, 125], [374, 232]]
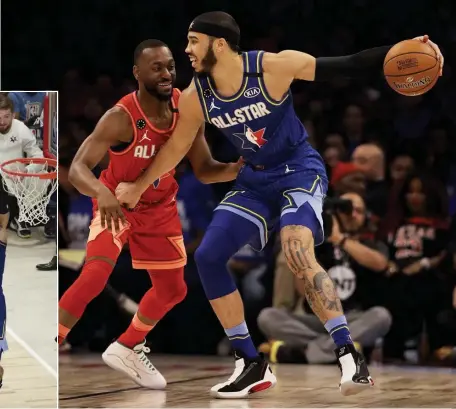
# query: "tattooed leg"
[[298, 248]]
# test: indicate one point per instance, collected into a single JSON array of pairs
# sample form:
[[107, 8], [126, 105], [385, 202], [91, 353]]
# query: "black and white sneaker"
[[22, 229], [353, 367], [251, 375]]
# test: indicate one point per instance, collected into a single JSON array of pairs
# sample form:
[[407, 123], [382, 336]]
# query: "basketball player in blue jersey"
[[282, 184]]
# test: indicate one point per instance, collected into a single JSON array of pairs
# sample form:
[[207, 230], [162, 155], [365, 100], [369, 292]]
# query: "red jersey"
[[128, 164]]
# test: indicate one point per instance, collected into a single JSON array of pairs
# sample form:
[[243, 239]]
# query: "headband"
[[215, 30]]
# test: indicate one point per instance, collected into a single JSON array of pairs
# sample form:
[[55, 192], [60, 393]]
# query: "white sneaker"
[[249, 376], [135, 364], [355, 375]]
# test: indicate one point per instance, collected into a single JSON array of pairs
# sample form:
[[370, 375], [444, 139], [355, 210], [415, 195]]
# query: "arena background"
[[85, 50]]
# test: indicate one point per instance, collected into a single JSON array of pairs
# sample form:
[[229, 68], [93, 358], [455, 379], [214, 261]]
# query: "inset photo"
[[28, 261]]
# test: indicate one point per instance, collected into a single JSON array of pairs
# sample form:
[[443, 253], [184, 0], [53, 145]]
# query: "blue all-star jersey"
[[265, 131]]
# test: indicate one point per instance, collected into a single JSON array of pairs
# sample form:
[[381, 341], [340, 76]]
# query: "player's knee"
[[180, 292], [204, 256], [94, 276], [170, 286], [298, 249], [215, 249], [211, 258]]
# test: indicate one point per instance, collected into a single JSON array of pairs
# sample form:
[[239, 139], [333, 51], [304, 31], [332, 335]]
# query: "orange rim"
[[29, 161]]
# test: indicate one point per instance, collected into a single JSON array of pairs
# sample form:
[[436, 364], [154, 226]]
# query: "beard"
[[155, 92], [209, 60], [4, 129]]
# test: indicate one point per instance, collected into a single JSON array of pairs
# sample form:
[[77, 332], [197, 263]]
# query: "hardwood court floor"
[[26, 383], [86, 382]]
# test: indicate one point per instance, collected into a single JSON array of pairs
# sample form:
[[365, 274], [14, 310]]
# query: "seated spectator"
[[335, 140], [370, 159], [417, 239], [347, 177], [400, 167], [351, 261]]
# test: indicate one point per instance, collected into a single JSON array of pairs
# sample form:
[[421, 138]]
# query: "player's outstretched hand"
[[425, 39], [110, 210], [128, 194]]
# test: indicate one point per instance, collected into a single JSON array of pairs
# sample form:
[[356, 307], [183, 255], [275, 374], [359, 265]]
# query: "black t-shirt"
[[417, 238], [352, 281]]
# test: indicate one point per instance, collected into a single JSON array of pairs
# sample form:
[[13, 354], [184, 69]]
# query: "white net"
[[32, 192]]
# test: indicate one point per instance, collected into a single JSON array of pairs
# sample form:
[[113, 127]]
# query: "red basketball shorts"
[[153, 232]]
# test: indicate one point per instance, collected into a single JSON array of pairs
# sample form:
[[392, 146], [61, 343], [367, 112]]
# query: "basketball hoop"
[[32, 181]]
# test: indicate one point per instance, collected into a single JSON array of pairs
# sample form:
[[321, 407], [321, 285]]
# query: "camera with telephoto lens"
[[332, 205]]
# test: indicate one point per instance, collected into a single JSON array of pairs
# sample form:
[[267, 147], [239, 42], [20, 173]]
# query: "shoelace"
[[143, 358]]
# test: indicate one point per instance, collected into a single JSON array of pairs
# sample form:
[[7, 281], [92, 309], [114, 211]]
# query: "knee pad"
[[211, 258]]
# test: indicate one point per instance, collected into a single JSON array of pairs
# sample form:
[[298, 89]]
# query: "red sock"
[[135, 333]]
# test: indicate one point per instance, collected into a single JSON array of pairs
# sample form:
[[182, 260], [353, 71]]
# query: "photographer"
[[351, 262]]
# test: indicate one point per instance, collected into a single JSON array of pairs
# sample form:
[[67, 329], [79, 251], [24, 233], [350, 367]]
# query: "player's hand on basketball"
[[435, 47], [111, 213], [128, 194]]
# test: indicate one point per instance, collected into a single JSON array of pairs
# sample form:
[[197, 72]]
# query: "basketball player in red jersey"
[[133, 131]]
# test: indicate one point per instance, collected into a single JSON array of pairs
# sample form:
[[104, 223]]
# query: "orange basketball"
[[411, 67]]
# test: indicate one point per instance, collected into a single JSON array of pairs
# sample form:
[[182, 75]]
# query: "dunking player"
[[247, 96], [133, 131]]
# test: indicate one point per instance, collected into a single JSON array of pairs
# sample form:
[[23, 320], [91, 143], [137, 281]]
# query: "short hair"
[[222, 19], [144, 45], [6, 103]]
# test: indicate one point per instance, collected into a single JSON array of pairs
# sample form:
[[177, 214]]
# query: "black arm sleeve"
[[350, 66]]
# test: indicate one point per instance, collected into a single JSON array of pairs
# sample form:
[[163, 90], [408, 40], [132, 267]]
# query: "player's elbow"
[[203, 176], [73, 173], [203, 170]]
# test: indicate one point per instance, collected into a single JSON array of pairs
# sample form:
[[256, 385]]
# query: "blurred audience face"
[[415, 197], [335, 140], [354, 222], [371, 160], [6, 120], [353, 119], [331, 156], [400, 167], [155, 69]]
